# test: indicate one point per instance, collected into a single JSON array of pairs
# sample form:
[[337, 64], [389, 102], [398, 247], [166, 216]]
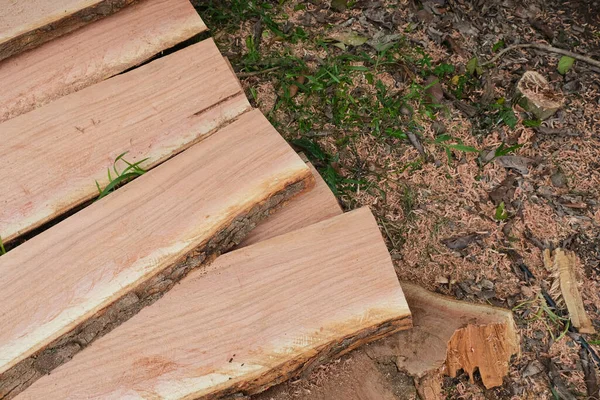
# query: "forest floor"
[[393, 104]]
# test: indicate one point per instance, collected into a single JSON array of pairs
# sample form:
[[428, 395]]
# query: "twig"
[[589, 373], [255, 73], [414, 140], [544, 47]]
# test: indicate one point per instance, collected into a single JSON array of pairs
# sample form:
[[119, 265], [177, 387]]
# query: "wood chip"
[[564, 265]]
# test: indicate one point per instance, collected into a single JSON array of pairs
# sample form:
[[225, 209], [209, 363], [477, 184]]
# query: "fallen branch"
[[544, 47]]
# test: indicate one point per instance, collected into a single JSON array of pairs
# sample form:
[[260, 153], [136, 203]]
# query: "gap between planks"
[[53, 155], [94, 53]]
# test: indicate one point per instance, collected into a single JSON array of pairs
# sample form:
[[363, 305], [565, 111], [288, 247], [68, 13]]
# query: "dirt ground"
[[394, 104]]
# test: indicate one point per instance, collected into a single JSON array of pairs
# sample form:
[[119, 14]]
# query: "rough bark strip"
[[124, 252], [303, 365], [93, 53], [315, 205], [229, 331], [41, 30]]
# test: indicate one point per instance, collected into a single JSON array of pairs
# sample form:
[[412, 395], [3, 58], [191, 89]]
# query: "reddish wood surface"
[[94, 53], [65, 276]]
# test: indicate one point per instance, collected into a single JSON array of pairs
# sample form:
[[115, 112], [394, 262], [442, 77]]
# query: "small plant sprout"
[[132, 171]]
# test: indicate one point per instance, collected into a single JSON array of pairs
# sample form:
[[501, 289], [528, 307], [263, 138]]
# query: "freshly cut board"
[[94, 53], [262, 314], [312, 206], [52, 156], [76, 281], [25, 24]]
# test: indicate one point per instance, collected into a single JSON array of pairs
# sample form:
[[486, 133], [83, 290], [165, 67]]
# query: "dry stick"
[[545, 47], [249, 74], [414, 140]]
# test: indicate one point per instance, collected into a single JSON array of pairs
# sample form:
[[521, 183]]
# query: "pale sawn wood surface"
[[63, 276], [93, 53], [312, 206], [52, 156], [25, 24], [259, 313]]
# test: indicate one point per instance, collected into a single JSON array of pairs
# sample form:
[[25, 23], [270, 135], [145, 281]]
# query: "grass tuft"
[[131, 172]]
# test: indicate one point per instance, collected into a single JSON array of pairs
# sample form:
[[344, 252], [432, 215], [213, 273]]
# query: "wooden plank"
[[94, 53], [260, 315], [314, 205], [27, 24], [81, 278], [52, 156]]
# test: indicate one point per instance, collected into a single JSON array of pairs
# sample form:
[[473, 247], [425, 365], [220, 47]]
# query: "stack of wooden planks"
[[90, 305]]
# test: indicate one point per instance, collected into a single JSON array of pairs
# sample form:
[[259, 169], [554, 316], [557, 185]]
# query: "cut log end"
[[450, 336], [26, 372]]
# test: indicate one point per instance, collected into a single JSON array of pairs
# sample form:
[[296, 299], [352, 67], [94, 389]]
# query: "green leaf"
[[312, 148], [508, 117], [462, 147], [564, 64], [498, 45], [2, 249], [473, 67], [502, 150], [395, 133], [501, 213], [331, 177], [442, 138], [118, 180], [532, 123], [443, 69]]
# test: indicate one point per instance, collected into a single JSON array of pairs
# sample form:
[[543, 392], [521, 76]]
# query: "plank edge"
[[303, 365]]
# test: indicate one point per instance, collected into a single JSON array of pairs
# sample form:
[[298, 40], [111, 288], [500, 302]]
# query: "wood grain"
[[81, 278], [260, 315], [312, 206], [27, 24], [52, 156], [94, 53]]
